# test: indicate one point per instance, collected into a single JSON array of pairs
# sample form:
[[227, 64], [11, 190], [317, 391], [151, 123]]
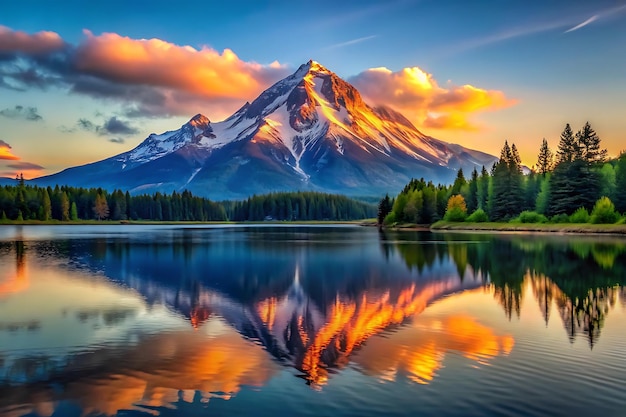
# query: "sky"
[[83, 81]]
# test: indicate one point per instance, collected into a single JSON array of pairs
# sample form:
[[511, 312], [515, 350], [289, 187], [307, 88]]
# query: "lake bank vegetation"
[[577, 185]]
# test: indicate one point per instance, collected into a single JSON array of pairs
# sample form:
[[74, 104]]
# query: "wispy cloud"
[[602, 14], [583, 24], [26, 166], [20, 112], [351, 42], [112, 126], [535, 27]]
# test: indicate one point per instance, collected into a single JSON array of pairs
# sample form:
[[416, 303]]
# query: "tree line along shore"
[[22, 203]]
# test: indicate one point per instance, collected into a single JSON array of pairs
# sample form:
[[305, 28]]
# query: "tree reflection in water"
[[581, 276]]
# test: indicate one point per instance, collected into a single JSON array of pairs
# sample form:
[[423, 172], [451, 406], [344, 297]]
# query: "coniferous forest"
[[575, 184], [23, 202]]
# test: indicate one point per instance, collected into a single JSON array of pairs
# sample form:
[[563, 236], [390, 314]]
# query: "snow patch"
[[193, 175]]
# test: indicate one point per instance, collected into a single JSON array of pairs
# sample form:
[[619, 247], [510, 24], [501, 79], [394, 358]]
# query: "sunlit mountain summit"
[[310, 131]]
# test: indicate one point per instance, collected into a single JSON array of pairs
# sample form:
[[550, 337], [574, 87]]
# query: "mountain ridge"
[[309, 131]]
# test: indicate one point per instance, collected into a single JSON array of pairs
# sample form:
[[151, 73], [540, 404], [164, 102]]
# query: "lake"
[[273, 320]]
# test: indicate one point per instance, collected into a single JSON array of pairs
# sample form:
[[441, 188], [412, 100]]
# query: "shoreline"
[[554, 228], [438, 227]]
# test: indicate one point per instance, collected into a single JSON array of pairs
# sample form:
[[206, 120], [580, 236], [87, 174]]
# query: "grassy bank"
[[531, 227]]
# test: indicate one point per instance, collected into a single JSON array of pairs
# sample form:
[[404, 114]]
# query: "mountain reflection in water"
[[154, 322]]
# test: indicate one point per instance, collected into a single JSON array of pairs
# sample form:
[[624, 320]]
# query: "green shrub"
[[530, 217], [622, 220], [580, 216], [456, 210], [560, 218], [604, 212], [390, 219], [478, 216]]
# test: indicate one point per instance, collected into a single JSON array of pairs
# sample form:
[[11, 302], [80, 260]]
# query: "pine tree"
[[573, 185], [101, 207], [483, 188], [545, 159], [65, 207], [507, 198], [384, 207], [588, 143], [620, 184], [568, 148], [516, 160], [459, 182], [472, 198], [46, 205], [73, 212]]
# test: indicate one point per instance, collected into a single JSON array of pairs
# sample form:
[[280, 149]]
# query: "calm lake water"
[[309, 321]]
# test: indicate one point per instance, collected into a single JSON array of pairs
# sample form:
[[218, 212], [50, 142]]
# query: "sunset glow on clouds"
[[205, 72], [417, 94], [153, 77], [5, 152], [38, 43], [10, 164]]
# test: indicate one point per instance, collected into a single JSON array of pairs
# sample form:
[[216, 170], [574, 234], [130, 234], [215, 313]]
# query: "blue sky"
[[533, 66]]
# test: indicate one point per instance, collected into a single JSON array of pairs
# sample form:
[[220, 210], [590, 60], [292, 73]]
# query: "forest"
[[22, 202], [575, 184]]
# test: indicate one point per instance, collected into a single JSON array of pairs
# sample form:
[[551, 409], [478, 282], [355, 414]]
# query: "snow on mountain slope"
[[311, 130]]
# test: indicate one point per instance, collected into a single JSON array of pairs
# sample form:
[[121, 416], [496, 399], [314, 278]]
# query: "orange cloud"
[[453, 121], [28, 169], [6, 153], [21, 42], [154, 62], [416, 93]]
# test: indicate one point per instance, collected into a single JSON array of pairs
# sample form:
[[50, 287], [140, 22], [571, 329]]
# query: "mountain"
[[309, 131]]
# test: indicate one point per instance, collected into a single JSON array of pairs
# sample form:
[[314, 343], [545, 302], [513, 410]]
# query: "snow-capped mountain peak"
[[199, 121], [311, 130]]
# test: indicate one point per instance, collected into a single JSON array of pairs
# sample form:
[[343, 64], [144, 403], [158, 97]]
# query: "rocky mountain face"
[[309, 131]]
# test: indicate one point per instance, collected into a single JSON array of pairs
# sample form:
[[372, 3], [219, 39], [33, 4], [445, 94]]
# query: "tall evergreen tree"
[[588, 143], [73, 212], [101, 207], [483, 188], [516, 160], [384, 207], [472, 198], [46, 205], [544, 161], [620, 184], [573, 185], [459, 182], [507, 198], [567, 150], [65, 207]]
